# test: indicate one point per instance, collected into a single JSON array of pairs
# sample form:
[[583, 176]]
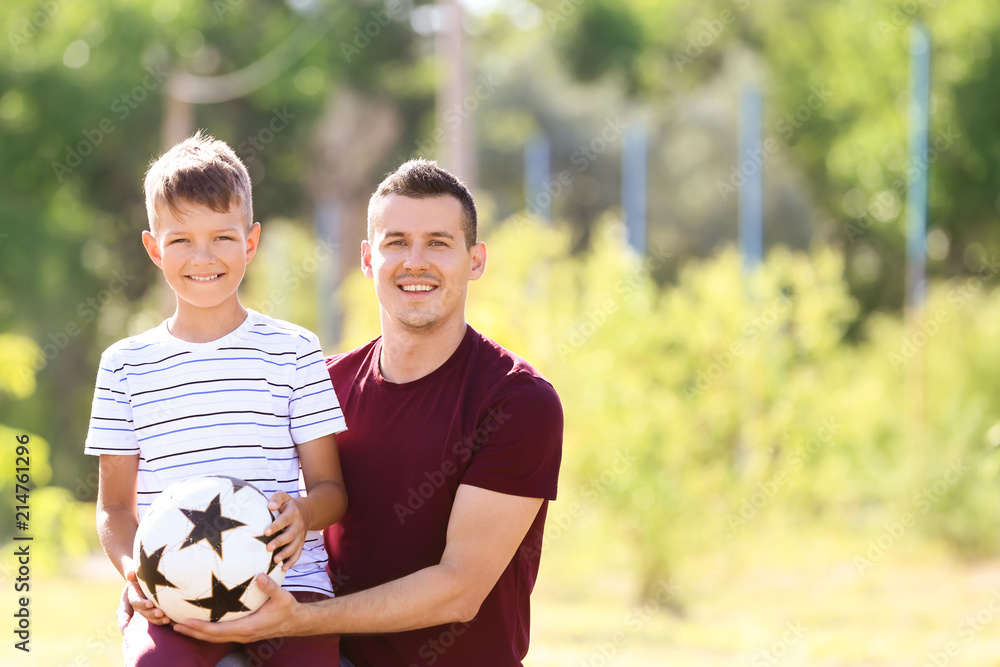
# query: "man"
[[451, 456]]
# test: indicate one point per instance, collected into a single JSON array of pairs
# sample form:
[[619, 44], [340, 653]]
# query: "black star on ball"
[[209, 525], [266, 539], [238, 483], [223, 600], [149, 571]]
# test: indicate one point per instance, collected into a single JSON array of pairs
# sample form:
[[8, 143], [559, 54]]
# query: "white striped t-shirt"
[[235, 406]]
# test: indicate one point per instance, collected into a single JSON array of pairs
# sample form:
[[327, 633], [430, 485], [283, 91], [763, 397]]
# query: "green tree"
[[699, 412], [836, 76], [82, 98]]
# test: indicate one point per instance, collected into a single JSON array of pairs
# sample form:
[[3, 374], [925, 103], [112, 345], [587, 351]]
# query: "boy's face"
[[203, 254], [419, 261]]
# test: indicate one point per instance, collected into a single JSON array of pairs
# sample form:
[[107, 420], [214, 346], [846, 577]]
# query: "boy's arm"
[[117, 523], [484, 532], [117, 516], [324, 503], [327, 497]]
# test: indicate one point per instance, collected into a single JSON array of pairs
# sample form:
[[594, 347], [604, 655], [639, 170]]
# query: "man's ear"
[[152, 248], [478, 267], [253, 239], [366, 259]]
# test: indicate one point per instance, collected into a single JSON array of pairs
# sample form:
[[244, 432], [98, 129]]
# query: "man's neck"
[[409, 355], [202, 325]]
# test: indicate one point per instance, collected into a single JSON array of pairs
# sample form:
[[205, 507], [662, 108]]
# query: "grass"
[[773, 598], [72, 618]]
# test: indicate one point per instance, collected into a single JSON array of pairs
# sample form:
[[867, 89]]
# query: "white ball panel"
[[178, 609], [255, 597]]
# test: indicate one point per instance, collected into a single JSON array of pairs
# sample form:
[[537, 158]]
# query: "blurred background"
[[751, 242]]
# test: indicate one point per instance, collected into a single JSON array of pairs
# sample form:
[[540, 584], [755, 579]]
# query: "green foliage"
[[605, 38], [82, 106], [63, 528], [16, 354], [732, 401], [835, 77], [17, 379], [945, 357], [59, 524], [281, 281]]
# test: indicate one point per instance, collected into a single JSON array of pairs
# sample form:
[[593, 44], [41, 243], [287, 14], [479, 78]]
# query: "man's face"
[[420, 263]]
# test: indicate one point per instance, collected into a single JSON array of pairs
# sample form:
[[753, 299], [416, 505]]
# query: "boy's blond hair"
[[199, 170]]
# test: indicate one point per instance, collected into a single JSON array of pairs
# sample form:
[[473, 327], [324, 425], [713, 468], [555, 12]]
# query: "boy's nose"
[[203, 254]]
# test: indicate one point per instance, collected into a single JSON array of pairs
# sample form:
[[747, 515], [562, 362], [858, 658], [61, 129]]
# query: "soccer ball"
[[201, 545]]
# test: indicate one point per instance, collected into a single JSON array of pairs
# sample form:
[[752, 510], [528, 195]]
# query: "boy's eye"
[[176, 241], [226, 238]]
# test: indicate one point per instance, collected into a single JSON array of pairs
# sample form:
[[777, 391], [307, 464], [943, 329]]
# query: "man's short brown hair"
[[199, 170], [422, 179]]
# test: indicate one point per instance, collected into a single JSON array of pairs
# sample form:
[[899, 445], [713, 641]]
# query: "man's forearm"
[[428, 597]]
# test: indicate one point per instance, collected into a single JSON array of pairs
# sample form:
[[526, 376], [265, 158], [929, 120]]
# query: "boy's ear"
[[253, 239], [152, 248]]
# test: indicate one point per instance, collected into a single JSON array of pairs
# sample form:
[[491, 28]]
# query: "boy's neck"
[[203, 325]]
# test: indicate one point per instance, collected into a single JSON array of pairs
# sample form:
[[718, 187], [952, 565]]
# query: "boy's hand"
[[125, 611], [289, 528], [133, 596]]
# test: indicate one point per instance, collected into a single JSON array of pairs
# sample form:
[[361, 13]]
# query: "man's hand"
[[289, 528], [276, 618]]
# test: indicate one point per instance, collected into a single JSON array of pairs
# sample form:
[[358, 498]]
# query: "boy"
[[215, 388]]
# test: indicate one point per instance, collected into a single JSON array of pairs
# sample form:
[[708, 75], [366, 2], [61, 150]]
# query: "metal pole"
[[916, 227], [537, 168], [916, 173], [328, 274], [456, 108], [751, 167], [634, 185]]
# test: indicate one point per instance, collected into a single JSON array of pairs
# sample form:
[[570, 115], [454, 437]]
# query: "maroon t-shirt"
[[484, 418]]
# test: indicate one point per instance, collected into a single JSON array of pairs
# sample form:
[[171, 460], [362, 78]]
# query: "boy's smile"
[[203, 255]]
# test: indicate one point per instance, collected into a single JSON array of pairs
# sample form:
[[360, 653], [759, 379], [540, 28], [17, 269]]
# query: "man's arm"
[[484, 531]]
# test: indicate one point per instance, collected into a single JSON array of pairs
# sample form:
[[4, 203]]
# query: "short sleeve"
[[111, 429], [313, 408], [517, 448]]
